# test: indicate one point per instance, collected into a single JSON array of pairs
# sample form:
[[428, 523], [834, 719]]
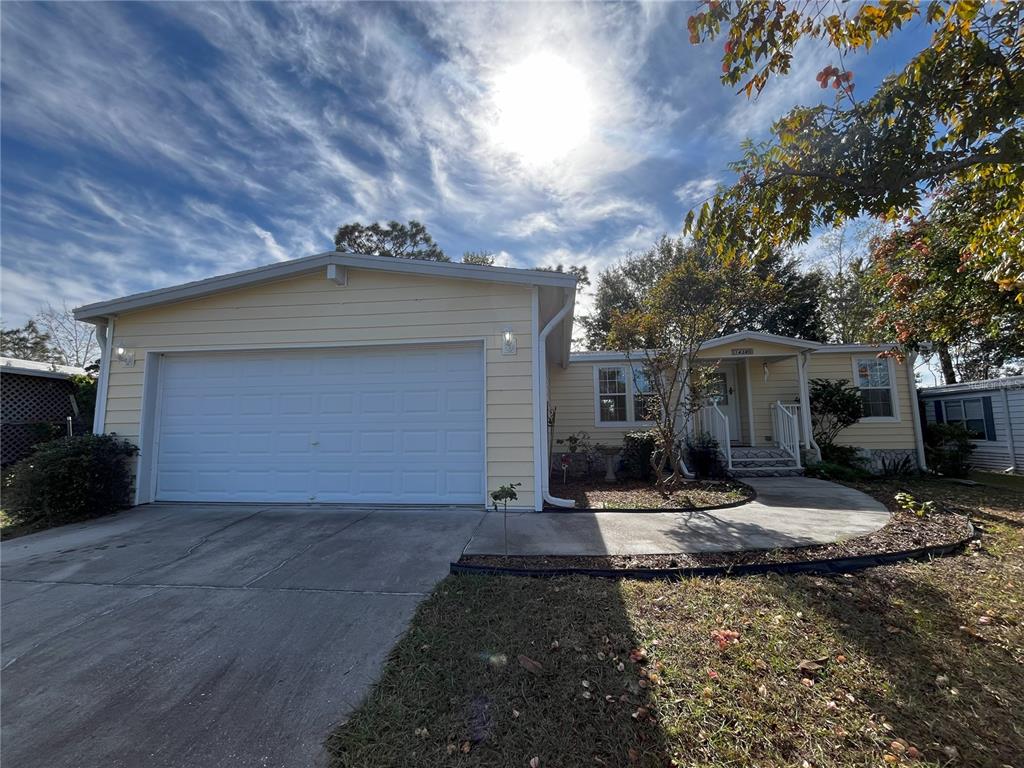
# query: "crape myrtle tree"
[[700, 292], [792, 310], [954, 116]]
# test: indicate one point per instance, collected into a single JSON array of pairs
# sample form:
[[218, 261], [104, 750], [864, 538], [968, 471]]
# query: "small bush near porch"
[[640, 494]]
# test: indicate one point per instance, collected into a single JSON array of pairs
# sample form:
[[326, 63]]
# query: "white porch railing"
[[794, 409], [716, 424], [786, 429]]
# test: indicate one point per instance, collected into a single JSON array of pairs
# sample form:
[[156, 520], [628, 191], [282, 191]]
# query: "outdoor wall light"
[[125, 357], [508, 342]]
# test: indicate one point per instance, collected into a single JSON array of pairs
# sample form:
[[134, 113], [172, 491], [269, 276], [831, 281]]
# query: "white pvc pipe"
[[542, 372]]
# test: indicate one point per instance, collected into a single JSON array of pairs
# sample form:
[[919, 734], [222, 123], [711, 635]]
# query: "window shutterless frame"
[[890, 387], [619, 388]]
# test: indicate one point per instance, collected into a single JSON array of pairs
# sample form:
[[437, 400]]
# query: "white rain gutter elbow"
[[542, 401]]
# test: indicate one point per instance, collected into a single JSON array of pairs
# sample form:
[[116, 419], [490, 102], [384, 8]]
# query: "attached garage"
[[336, 378], [401, 425]]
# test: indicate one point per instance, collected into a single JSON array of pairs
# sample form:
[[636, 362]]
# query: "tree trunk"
[[946, 361]]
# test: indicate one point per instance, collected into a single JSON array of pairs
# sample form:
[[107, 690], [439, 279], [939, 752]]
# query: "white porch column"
[[750, 403]]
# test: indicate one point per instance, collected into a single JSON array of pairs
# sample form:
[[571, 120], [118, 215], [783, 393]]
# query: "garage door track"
[[207, 635]]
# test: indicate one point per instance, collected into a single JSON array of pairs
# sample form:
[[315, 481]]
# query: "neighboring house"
[[366, 379], [992, 411], [763, 390], [36, 400]]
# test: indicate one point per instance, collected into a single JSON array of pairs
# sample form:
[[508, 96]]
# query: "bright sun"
[[544, 109]]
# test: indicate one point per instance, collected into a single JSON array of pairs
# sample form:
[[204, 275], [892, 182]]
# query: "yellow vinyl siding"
[[869, 434], [374, 308], [782, 384], [572, 392]]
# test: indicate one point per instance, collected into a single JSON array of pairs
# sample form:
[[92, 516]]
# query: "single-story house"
[[993, 413], [762, 411], [351, 378], [36, 400]]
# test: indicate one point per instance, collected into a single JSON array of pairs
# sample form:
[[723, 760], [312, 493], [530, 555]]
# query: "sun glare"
[[544, 109]]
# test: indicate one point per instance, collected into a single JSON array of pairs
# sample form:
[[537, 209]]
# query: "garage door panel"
[[398, 425]]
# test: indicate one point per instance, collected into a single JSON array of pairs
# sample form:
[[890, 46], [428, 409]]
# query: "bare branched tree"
[[74, 343]]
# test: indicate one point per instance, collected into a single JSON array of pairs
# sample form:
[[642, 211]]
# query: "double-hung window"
[[624, 395], [970, 414], [874, 378]]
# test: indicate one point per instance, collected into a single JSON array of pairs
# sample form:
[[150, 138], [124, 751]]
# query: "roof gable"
[[294, 267]]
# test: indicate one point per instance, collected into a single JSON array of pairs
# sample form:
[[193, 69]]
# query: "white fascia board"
[[826, 348], [284, 269], [35, 368], [1009, 382], [606, 356], [758, 336]]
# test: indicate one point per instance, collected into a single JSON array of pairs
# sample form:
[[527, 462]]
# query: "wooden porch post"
[[805, 400]]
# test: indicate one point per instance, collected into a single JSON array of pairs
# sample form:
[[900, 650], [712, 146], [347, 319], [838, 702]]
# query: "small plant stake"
[[505, 494]]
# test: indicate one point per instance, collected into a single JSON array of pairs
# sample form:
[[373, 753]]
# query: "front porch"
[[759, 410]]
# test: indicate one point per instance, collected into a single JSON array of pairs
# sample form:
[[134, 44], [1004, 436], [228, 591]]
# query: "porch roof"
[[755, 344]]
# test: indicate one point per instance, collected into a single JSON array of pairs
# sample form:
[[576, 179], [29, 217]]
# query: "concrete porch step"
[[781, 462], [764, 471], [747, 453]]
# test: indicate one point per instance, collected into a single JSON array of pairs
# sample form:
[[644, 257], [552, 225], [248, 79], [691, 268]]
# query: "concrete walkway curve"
[[788, 512]]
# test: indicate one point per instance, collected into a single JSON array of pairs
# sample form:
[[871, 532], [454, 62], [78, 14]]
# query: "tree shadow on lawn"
[[457, 674], [936, 684]]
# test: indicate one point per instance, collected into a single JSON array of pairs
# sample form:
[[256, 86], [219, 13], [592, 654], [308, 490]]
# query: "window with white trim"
[[970, 414], [875, 383], [624, 395]]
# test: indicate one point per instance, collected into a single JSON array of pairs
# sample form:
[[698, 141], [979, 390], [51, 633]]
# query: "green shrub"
[[835, 405], [826, 470], [73, 478], [948, 449], [637, 448], [703, 457], [845, 455]]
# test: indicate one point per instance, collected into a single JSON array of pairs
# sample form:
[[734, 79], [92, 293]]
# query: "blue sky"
[[145, 145]]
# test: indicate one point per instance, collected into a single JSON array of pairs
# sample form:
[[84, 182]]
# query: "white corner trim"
[[915, 408], [105, 335], [539, 403]]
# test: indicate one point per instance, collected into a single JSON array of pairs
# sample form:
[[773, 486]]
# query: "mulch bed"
[[639, 495], [904, 532]]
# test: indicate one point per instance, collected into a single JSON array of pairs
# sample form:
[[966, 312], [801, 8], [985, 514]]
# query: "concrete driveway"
[[207, 635]]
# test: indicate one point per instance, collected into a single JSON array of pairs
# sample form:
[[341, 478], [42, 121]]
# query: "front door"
[[724, 388]]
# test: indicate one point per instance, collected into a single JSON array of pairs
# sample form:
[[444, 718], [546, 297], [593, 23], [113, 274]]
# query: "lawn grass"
[[920, 663]]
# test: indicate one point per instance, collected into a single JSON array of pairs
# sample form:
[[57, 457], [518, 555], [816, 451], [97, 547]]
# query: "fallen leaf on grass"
[[812, 666], [534, 667], [465, 747], [638, 655], [534, 762]]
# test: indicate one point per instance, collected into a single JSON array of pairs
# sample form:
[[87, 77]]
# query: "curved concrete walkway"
[[788, 512]]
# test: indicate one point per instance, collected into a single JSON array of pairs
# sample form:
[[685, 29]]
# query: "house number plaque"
[[742, 351]]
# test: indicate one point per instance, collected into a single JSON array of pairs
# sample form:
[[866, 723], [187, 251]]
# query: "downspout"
[[105, 336], [805, 396], [1009, 433], [542, 400], [916, 411]]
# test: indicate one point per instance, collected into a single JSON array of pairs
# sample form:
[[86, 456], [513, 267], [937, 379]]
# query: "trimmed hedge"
[[70, 479]]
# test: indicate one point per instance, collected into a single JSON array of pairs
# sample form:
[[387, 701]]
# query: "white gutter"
[[105, 336], [915, 408], [805, 415], [540, 397]]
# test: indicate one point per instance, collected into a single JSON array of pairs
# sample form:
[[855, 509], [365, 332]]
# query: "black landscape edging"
[[832, 566]]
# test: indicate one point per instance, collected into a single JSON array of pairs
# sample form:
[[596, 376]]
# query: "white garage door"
[[395, 425]]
